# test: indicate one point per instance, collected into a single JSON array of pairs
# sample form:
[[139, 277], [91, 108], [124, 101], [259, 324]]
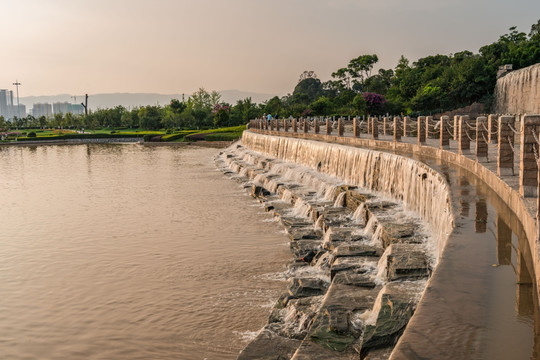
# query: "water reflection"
[[504, 242], [486, 301], [481, 216]]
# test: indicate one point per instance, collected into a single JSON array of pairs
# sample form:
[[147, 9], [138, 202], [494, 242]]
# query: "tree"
[[359, 104], [322, 106], [308, 89], [360, 68], [273, 106], [307, 75], [374, 103], [243, 111], [149, 117], [221, 115]]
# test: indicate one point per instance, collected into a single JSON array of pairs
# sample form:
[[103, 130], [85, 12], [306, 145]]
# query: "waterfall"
[[340, 200], [372, 222], [360, 213], [408, 181], [518, 92]]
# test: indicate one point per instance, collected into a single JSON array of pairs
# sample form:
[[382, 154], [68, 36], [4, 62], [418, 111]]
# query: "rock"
[[292, 222], [259, 191], [302, 248], [353, 264], [356, 250], [338, 236], [394, 233], [407, 262], [304, 233], [309, 350], [269, 346], [297, 317], [379, 354], [355, 198], [360, 280], [395, 306], [302, 287]]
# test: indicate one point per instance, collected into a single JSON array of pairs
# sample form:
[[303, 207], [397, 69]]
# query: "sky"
[[177, 46]]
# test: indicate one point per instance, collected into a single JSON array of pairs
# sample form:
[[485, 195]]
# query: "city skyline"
[[171, 47]]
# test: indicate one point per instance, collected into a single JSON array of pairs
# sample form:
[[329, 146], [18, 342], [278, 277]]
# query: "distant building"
[[60, 108], [65, 107], [7, 109], [42, 109], [76, 109]]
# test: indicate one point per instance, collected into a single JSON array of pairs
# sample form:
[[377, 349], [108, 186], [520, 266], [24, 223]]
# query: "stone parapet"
[[528, 155]]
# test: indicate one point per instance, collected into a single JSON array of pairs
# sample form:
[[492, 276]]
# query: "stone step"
[[393, 309]]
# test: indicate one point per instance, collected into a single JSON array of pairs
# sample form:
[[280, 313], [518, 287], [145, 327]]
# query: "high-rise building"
[[4, 102], [7, 109], [42, 109], [60, 107], [76, 109]]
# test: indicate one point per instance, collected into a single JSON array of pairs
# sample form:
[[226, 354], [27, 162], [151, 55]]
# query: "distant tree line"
[[431, 84], [202, 110]]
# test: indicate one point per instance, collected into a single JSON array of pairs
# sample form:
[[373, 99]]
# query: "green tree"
[[150, 117], [310, 88], [359, 104], [322, 106], [221, 116]]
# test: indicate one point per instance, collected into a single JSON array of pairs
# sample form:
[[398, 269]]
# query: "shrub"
[[31, 134]]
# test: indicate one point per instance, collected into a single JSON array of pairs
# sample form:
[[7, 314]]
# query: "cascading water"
[[340, 200], [360, 213], [518, 92], [376, 171]]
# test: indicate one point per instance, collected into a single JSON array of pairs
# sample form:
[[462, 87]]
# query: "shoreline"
[[135, 141]]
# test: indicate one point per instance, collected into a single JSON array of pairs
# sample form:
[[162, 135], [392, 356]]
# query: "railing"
[[484, 132]]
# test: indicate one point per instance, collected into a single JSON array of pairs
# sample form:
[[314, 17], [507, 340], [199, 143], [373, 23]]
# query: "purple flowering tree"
[[221, 115], [374, 102]]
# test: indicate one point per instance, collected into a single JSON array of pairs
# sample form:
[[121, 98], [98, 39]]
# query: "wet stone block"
[[360, 280], [353, 199], [259, 191], [345, 250], [393, 233], [354, 265], [269, 346], [395, 307], [303, 287], [312, 351], [296, 234], [407, 262], [305, 249], [292, 222]]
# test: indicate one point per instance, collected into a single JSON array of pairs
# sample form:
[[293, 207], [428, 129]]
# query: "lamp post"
[[17, 83]]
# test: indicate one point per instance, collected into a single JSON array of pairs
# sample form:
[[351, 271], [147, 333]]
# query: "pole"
[[17, 83]]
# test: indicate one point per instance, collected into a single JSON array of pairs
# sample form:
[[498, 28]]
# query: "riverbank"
[[137, 141]]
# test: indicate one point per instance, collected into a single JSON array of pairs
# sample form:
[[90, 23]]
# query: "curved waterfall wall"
[[421, 188], [518, 92]]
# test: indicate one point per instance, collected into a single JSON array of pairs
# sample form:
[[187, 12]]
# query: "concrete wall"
[[518, 92]]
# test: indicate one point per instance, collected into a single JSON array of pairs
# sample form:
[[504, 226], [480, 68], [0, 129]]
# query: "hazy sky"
[[177, 46]]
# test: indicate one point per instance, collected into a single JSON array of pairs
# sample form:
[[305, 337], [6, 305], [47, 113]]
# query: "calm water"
[[129, 252]]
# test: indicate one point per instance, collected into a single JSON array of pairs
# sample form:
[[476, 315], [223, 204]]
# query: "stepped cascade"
[[362, 245]]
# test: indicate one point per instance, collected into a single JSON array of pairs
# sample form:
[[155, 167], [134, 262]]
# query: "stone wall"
[[518, 92]]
